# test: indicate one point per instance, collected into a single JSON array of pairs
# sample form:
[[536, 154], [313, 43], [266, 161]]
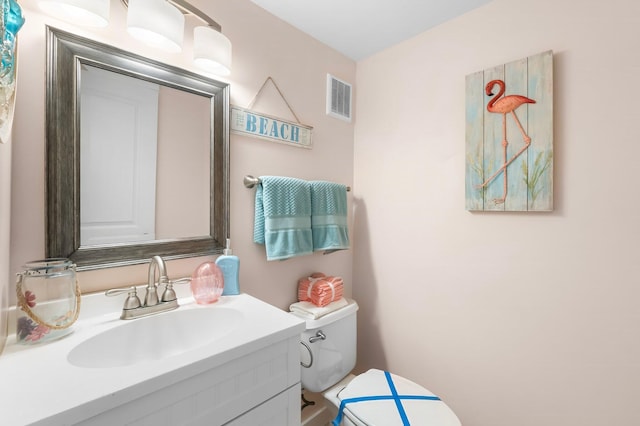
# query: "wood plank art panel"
[[509, 136]]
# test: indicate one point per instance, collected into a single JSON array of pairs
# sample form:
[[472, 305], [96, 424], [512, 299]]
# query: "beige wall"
[[262, 46], [515, 319], [184, 131]]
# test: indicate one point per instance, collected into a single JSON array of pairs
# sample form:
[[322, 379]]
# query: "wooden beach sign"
[[263, 126]]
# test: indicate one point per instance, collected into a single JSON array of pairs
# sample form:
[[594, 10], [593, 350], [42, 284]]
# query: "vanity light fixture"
[[92, 13], [211, 48], [158, 23]]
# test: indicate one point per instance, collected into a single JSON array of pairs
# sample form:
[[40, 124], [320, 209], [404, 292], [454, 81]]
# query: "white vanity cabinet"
[[261, 388], [248, 377]]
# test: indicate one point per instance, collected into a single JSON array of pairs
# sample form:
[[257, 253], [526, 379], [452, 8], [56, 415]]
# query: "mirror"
[[137, 157]]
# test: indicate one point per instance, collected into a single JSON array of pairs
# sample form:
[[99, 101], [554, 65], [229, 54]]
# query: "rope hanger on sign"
[[255, 98]]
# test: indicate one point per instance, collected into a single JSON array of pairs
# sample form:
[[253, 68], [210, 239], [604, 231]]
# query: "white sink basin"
[[155, 337]]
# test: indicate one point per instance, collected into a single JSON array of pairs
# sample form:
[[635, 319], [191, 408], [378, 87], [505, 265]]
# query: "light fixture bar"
[[188, 7], [211, 48], [192, 10]]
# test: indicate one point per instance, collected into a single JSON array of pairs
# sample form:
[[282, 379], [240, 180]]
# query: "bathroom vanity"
[[244, 370]]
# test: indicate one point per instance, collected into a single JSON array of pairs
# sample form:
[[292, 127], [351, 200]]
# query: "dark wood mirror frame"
[[66, 53]]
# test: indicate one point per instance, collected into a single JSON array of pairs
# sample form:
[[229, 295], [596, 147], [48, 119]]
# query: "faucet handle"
[[169, 293], [131, 302]]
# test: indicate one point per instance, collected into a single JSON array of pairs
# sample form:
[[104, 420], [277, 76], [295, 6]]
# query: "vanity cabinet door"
[[281, 410]]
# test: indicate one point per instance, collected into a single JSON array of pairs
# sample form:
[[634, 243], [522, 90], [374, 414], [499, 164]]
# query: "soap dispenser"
[[230, 265]]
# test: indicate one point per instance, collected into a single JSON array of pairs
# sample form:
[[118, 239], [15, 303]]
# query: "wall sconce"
[[158, 23]]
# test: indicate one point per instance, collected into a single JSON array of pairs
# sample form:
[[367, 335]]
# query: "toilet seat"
[[373, 402]]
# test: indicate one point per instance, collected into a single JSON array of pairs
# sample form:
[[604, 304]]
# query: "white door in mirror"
[[119, 121]]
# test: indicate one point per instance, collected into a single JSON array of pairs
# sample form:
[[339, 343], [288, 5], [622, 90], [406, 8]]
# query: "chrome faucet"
[[134, 308]]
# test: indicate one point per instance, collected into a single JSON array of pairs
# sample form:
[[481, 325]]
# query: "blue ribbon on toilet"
[[394, 396]]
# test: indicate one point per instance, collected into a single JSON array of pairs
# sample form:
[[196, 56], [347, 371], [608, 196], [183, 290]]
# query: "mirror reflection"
[[144, 163], [137, 157]]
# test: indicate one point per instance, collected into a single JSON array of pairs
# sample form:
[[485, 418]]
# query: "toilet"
[[373, 398]]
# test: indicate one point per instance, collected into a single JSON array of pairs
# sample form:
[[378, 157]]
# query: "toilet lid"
[[378, 405]]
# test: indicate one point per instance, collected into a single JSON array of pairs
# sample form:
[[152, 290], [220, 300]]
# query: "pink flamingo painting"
[[503, 105]]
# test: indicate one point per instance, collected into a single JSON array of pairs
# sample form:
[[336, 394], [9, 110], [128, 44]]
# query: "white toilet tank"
[[327, 360]]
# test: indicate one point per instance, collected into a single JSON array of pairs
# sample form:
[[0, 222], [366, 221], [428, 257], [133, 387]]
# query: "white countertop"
[[40, 386]]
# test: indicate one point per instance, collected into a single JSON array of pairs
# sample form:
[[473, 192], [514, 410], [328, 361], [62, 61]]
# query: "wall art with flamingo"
[[509, 136]]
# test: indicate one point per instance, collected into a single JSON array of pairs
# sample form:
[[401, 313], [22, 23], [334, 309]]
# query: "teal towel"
[[329, 216], [283, 217]]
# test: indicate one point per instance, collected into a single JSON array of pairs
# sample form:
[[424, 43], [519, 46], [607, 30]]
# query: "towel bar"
[[251, 181]]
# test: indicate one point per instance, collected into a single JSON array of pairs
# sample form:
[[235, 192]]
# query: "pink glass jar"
[[207, 283]]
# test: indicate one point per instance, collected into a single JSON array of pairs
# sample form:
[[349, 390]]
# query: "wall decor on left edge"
[[11, 20], [509, 136]]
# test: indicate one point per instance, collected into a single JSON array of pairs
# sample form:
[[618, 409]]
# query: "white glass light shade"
[[157, 23], [92, 13], [211, 51]]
